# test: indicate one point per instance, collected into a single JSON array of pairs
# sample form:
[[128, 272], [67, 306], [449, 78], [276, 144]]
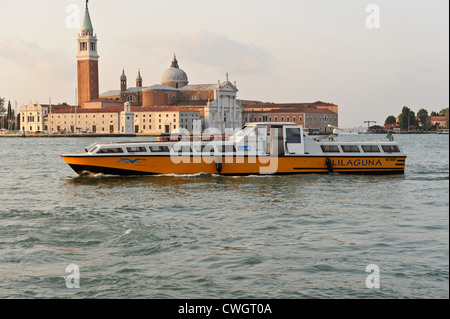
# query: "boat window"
[[110, 150], [136, 149], [208, 149], [91, 148], [198, 148], [390, 148], [245, 131], [228, 149], [350, 148], [159, 149], [330, 148], [181, 149], [370, 148], [293, 135]]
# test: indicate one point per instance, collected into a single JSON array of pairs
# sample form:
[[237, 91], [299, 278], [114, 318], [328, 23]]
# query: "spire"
[[175, 62], [123, 81], [139, 79], [87, 24]]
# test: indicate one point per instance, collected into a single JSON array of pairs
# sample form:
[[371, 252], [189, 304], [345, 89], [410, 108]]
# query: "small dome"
[[123, 76], [174, 74]]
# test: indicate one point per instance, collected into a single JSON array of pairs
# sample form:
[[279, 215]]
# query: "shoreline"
[[153, 135], [73, 135]]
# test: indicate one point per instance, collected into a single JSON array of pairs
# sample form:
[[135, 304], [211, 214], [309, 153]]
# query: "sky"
[[369, 57]]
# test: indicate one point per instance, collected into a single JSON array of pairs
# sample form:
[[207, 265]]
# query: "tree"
[[423, 116], [433, 113], [407, 118], [2, 112], [390, 120], [2, 103]]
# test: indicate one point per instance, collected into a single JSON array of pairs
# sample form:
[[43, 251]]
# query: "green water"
[[207, 236]]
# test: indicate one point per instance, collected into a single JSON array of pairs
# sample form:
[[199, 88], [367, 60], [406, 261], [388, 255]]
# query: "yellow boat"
[[258, 148]]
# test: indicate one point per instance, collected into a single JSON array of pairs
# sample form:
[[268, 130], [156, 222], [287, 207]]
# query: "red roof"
[[438, 118], [252, 104], [120, 108], [298, 109]]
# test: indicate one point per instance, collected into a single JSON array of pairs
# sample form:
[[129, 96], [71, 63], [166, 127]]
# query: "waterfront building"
[[315, 117], [111, 119], [439, 121], [172, 104], [32, 117]]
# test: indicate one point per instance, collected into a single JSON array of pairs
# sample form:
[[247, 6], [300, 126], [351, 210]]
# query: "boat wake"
[[91, 174]]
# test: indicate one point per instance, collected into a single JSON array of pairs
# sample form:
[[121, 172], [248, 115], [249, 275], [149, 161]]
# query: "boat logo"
[[244, 148], [131, 161]]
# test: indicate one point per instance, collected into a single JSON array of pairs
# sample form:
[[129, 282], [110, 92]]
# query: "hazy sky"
[[276, 51]]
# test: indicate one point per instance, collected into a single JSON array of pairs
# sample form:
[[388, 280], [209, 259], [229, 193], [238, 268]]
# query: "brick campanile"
[[87, 62]]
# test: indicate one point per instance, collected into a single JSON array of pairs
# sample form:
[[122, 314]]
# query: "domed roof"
[[174, 74]]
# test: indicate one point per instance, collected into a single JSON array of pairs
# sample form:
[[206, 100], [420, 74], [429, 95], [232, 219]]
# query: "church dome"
[[174, 76]]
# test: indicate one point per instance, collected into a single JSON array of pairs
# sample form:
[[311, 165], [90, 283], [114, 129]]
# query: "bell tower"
[[87, 61]]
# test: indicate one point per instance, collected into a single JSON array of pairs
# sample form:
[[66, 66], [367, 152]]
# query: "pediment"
[[228, 86]]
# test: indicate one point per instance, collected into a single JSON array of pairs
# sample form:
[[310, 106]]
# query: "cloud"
[[205, 48], [34, 59]]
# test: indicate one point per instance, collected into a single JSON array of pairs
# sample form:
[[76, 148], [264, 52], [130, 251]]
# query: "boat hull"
[[235, 165]]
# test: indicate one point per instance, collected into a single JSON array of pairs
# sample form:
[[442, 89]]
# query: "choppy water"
[[308, 236]]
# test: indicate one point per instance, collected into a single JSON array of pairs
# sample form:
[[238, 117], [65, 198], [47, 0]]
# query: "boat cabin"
[[254, 139]]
